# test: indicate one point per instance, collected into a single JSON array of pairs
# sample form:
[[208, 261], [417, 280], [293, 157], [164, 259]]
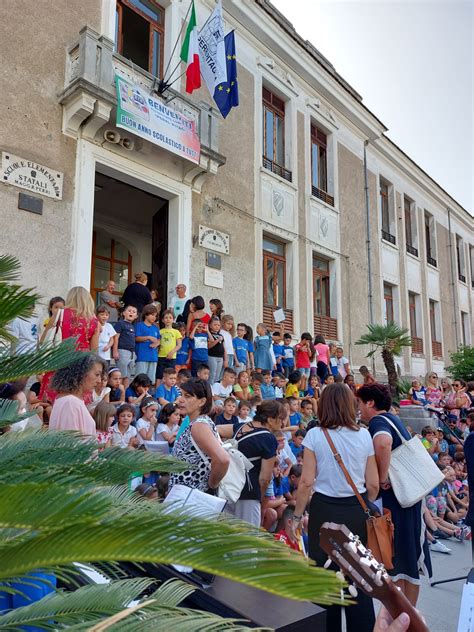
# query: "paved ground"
[[440, 604]]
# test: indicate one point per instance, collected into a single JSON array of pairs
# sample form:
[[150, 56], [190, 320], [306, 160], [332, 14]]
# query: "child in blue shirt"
[[182, 356], [288, 361], [147, 341], [295, 415], [199, 351], [296, 444], [266, 388], [241, 349], [278, 350], [167, 392]]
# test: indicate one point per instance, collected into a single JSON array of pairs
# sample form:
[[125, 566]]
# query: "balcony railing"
[[436, 349], [462, 278], [276, 168], [269, 322], [431, 261], [388, 237], [89, 101], [322, 195], [326, 326], [412, 250], [417, 345]]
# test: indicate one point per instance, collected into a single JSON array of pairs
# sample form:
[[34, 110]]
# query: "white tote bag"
[[413, 473], [54, 335]]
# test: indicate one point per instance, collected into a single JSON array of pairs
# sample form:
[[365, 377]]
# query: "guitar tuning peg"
[[353, 590], [378, 578], [352, 546], [327, 563], [366, 561]]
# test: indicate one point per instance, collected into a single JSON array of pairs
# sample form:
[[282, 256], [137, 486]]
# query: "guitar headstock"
[[355, 560]]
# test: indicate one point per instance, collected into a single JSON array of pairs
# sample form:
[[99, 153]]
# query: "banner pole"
[[176, 43]]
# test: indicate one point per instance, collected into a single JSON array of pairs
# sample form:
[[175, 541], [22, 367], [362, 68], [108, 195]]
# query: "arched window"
[[110, 260]]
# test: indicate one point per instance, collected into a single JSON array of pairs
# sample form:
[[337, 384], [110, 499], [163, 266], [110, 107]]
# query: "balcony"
[[274, 167], [89, 102], [462, 278], [417, 345], [269, 322], [412, 250], [431, 261], [325, 326], [322, 195], [388, 237], [436, 349]]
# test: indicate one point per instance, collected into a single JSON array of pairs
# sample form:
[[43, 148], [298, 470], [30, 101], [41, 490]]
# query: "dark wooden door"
[[160, 254]]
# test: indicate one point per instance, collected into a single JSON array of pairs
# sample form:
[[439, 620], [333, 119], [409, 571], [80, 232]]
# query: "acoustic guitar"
[[355, 561]]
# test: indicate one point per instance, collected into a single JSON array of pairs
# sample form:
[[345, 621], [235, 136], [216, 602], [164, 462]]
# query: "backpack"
[[232, 484]]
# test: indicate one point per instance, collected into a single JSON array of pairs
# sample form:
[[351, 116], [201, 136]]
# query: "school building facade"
[[298, 200]]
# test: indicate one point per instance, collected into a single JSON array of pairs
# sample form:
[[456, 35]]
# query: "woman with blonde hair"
[[77, 320], [137, 294]]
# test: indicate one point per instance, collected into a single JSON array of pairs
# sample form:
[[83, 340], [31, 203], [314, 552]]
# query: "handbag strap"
[[348, 477], [402, 438]]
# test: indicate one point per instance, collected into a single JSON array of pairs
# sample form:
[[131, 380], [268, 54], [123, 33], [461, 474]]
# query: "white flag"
[[212, 50]]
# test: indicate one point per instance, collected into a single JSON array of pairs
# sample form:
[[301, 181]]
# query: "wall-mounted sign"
[[28, 174], [213, 260], [153, 120], [213, 278], [214, 240]]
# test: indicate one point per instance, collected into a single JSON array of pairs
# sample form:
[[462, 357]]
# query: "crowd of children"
[[149, 356]]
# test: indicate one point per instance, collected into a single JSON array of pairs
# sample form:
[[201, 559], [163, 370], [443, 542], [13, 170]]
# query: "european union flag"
[[226, 95]]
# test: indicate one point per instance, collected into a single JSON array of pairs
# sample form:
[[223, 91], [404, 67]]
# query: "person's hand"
[[116, 355], [385, 623], [133, 443]]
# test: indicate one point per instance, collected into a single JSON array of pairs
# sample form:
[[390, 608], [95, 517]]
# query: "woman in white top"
[[333, 499]]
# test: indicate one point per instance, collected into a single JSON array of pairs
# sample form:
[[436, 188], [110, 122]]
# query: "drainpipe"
[[368, 240], [453, 280]]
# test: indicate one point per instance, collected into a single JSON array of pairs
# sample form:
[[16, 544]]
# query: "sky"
[[413, 64]]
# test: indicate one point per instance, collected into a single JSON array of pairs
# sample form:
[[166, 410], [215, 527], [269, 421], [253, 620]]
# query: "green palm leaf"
[[15, 302], [9, 412], [154, 533], [9, 268], [60, 457], [13, 367]]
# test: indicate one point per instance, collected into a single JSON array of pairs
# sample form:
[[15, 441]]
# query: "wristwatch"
[[297, 518]]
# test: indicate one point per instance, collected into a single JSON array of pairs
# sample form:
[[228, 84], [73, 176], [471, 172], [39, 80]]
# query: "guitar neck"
[[396, 603]]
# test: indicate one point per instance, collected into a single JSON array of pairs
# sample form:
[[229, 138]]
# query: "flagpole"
[[163, 85]]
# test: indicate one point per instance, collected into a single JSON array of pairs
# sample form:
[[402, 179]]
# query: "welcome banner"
[[153, 120]]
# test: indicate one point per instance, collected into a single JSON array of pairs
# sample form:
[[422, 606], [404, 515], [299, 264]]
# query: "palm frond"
[[87, 603], [61, 457], [9, 268], [390, 335], [50, 358], [155, 533], [9, 412], [15, 302]]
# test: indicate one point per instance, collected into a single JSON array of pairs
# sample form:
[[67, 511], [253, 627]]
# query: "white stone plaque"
[[213, 278], [29, 175], [214, 240]]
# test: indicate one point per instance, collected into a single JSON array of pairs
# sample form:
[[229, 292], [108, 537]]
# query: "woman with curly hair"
[[71, 383]]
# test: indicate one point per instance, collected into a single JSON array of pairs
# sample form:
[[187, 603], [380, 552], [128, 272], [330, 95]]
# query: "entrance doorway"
[[130, 234]]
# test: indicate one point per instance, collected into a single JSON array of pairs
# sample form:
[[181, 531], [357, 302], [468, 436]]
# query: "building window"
[[319, 165], [430, 241], [323, 323], [111, 260], [386, 212], [388, 300], [274, 273], [410, 225], [460, 259], [435, 329], [415, 329], [466, 339], [471, 264], [274, 134], [139, 33]]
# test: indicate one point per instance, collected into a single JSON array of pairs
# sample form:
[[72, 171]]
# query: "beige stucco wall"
[[33, 44], [226, 203]]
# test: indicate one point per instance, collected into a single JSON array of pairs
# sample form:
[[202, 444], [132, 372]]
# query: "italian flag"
[[190, 54]]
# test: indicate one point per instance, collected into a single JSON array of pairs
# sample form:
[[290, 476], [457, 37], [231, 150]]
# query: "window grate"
[[388, 237], [412, 250], [462, 278], [276, 168], [436, 349], [417, 345], [431, 261], [322, 195]]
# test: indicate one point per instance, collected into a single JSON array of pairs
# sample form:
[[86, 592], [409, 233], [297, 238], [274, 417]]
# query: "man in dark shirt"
[[137, 294]]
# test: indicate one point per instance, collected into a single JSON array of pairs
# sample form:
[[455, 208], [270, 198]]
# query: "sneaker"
[[439, 547], [459, 535], [467, 533]]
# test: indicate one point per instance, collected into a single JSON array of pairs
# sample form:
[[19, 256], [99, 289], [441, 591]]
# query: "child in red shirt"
[[284, 535]]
